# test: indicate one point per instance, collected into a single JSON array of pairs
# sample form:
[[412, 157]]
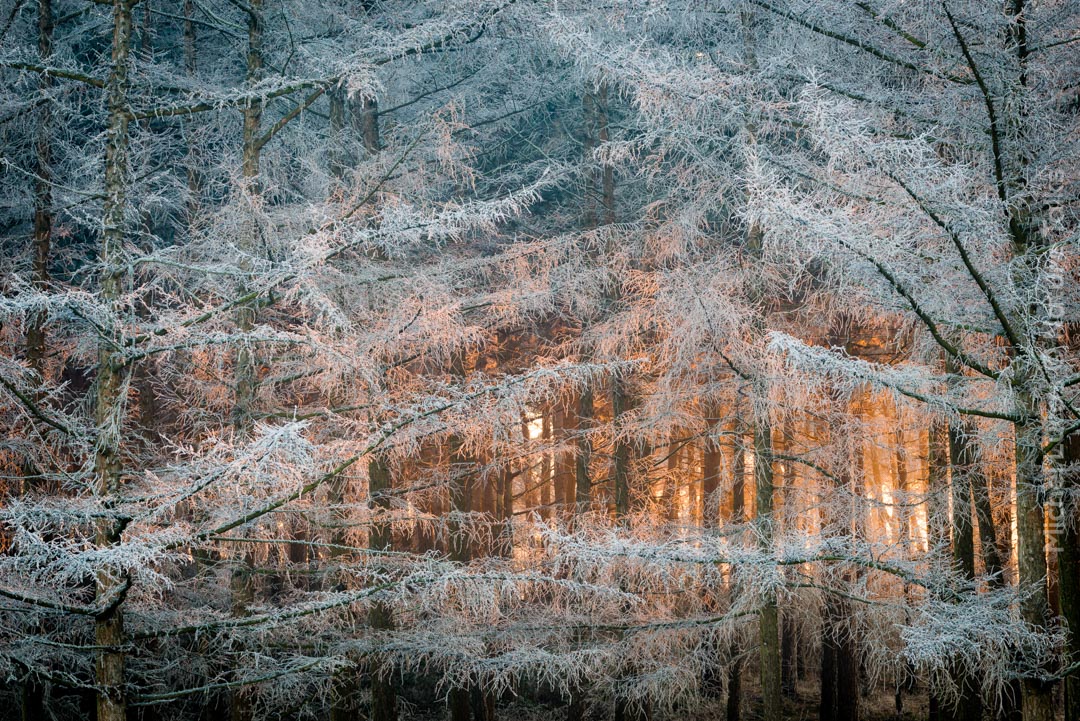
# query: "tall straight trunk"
[[336, 101], [769, 621], [905, 680], [733, 708], [622, 456], [1066, 544], [564, 464], [109, 674], [253, 108], [251, 153], [789, 657], [937, 484], [462, 492], [995, 568], [588, 147], [242, 581], [43, 217], [1029, 246], [506, 509], [583, 484], [710, 519], [383, 692], [962, 458], [346, 686], [839, 700], [607, 171], [545, 466], [194, 161], [789, 647], [988, 531], [670, 497], [937, 525], [988, 544], [1037, 694], [903, 487], [710, 482]]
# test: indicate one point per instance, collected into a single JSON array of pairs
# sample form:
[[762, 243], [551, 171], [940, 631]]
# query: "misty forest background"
[[522, 359]]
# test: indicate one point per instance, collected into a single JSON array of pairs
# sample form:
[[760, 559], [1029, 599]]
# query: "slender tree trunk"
[[545, 466], [670, 495], [710, 520], [1068, 547], [620, 404], [337, 152], [1028, 247], [738, 516], [461, 500], [36, 350], [937, 527], [968, 456], [840, 666], [43, 217], [710, 483], [789, 646], [383, 692], [607, 173], [588, 147], [242, 582], [564, 463], [583, 484], [194, 160], [109, 676], [769, 623], [962, 458]]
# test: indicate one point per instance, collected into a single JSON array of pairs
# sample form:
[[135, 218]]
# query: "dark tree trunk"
[[109, 671], [1066, 543], [962, 456], [43, 213]]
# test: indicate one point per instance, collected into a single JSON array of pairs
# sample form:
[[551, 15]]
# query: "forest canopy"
[[477, 359]]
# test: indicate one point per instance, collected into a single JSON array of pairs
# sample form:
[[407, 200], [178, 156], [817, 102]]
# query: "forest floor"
[[875, 704]]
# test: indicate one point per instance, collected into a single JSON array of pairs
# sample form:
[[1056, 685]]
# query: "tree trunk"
[[1069, 562], [738, 515], [710, 483], [962, 458], [383, 692], [583, 485], [733, 706], [43, 218], [242, 587], [365, 117], [937, 526], [769, 623], [32, 695], [840, 666], [337, 135], [967, 465], [620, 404], [1037, 695], [545, 466], [109, 674], [565, 463]]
